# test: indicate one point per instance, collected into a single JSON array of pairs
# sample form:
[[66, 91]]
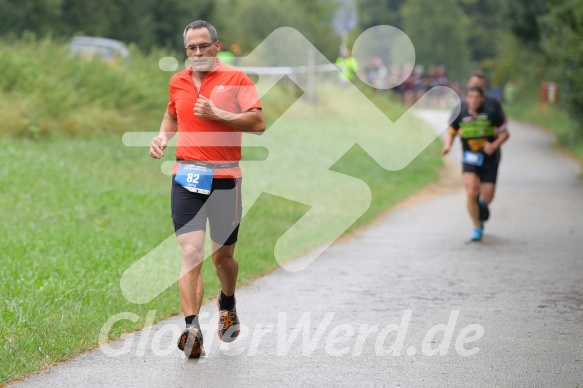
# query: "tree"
[[438, 34], [379, 12], [17, 16], [169, 17], [551, 30], [522, 17], [238, 20], [89, 18], [147, 23], [484, 28], [561, 31]]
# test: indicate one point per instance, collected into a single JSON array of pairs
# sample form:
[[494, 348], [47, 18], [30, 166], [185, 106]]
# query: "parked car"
[[110, 50]]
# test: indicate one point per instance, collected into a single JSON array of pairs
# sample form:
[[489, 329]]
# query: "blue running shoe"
[[477, 235]]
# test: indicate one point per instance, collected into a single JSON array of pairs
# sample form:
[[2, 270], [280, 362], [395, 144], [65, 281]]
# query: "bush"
[[46, 91], [562, 28]]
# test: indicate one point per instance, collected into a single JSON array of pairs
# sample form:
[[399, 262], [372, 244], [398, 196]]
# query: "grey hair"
[[202, 24]]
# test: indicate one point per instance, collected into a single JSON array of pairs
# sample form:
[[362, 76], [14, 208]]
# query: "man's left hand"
[[204, 108], [489, 148]]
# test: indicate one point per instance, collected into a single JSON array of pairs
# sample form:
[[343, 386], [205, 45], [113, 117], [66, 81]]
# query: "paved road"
[[506, 312]]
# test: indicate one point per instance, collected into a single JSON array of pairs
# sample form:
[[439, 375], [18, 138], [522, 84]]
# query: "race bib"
[[474, 158], [196, 179]]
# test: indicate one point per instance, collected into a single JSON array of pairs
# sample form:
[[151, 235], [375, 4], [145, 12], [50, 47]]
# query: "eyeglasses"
[[202, 47]]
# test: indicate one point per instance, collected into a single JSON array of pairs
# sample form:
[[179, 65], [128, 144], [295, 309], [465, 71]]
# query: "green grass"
[[79, 207], [44, 90], [568, 133]]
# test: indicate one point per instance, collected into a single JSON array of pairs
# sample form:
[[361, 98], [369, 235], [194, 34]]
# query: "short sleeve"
[[455, 119], [498, 117], [247, 96], [171, 100]]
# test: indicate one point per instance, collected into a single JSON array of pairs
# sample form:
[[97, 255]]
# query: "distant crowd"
[[410, 82]]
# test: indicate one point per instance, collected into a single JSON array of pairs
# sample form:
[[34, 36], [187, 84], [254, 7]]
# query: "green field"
[[44, 91], [79, 207]]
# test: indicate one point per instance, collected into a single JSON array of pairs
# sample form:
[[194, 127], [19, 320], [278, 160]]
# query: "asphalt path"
[[404, 302]]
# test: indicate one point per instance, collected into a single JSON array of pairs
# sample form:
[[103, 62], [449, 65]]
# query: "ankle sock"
[[226, 302], [192, 320]]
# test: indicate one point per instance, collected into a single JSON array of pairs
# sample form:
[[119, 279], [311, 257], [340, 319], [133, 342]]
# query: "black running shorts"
[[222, 208], [488, 171]]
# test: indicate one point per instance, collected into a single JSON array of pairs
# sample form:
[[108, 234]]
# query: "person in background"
[[482, 129], [227, 57], [348, 67], [408, 85]]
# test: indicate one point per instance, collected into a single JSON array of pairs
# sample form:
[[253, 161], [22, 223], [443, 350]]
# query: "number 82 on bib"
[[194, 178]]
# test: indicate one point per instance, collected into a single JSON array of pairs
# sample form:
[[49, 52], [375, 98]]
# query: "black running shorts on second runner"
[[488, 171], [222, 208]]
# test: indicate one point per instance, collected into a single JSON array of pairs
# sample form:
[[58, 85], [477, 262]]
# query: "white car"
[[110, 50]]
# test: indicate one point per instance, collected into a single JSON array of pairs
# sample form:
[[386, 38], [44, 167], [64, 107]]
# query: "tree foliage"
[[249, 22], [483, 28], [147, 23], [562, 41], [437, 34], [551, 31], [159, 23], [522, 17], [17, 16], [379, 12]]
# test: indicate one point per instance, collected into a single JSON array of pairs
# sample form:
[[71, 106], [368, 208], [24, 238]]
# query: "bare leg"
[[226, 267], [472, 185], [487, 189], [190, 285]]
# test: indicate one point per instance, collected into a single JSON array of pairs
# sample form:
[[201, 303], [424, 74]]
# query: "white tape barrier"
[[278, 70]]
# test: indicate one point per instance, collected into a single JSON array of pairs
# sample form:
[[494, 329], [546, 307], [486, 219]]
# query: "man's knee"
[[488, 198], [472, 185], [487, 192], [192, 254], [472, 191], [223, 258]]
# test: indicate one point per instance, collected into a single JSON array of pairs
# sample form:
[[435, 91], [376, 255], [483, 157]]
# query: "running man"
[[482, 128], [478, 79], [211, 105]]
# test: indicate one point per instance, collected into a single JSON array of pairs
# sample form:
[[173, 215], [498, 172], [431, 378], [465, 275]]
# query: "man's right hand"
[[157, 146], [446, 149]]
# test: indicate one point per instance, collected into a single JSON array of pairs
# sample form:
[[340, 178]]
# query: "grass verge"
[[568, 134]]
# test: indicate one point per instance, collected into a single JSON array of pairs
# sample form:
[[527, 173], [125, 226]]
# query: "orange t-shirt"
[[207, 140]]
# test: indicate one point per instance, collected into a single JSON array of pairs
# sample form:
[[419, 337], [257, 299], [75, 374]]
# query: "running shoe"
[[190, 342], [228, 323], [477, 235]]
